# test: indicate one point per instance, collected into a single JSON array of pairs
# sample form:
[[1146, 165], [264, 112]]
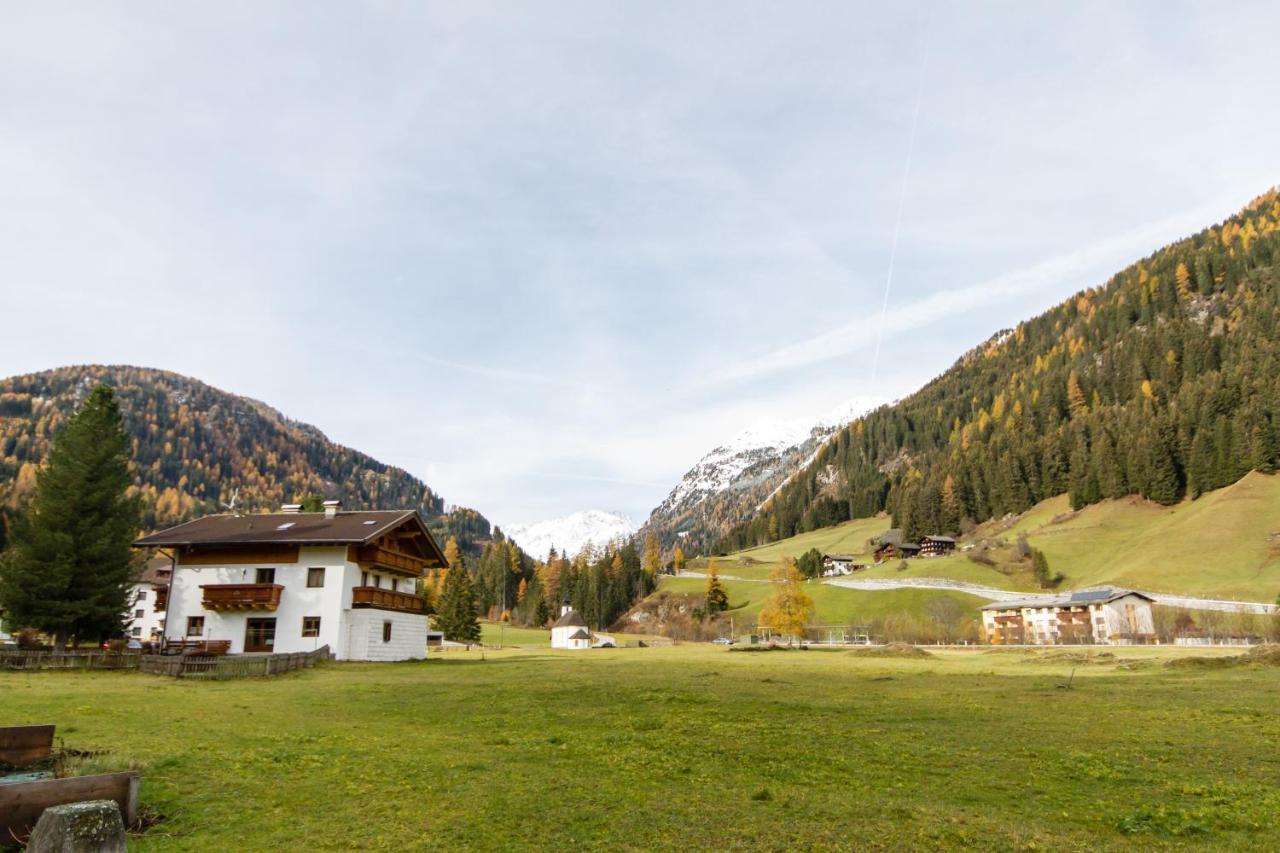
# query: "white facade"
[[570, 631], [1118, 619], [145, 623], [365, 633]]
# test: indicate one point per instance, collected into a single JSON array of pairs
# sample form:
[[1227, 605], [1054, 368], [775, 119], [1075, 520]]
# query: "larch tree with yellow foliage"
[[789, 608], [652, 563]]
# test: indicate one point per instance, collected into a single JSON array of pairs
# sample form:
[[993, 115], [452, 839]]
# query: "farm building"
[[839, 564], [896, 551], [570, 631], [1107, 616], [292, 582], [147, 599], [936, 546]]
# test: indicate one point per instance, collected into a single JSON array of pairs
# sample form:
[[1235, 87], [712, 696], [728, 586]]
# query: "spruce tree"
[[69, 564], [717, 597], [456, 610]]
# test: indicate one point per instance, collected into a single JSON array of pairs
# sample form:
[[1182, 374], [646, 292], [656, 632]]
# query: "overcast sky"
[[546, 255]]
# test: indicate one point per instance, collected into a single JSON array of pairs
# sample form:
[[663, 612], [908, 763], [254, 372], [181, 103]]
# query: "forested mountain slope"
[[194, 446], [1164, 382]]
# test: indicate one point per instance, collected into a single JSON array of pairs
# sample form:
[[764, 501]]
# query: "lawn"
[[691, 747], [1221, 545], [832, 605]]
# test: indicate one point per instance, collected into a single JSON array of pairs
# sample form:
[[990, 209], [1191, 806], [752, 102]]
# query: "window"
[[266, 576], [311, 626], [386, 632], [315, 577], [195, 626], [394, 584], [364, 579], [141, 596], [138, 614], [137, 632], [377, 581]]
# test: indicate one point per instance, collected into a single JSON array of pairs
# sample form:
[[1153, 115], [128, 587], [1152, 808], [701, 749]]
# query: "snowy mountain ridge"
[[571, 533], [754, 462]]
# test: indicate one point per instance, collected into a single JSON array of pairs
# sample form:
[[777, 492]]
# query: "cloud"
[[1057, 277]]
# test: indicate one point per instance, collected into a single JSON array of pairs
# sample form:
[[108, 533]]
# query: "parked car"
[[724, 641]]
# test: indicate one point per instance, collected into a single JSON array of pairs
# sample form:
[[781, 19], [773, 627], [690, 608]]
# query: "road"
[[992, 594]]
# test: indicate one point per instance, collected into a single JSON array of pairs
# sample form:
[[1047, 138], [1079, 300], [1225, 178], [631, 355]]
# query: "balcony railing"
[[385, 599], [242, 596], [372, 554], [162, 598]]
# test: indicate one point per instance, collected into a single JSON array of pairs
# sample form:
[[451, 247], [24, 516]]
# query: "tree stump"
[[90, 827]]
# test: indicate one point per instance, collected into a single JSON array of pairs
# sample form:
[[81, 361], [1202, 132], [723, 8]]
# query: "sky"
[[545, 255]]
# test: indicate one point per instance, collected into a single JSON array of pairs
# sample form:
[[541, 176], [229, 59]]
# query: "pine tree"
[[457, 608], [717, 597], [69, 564]]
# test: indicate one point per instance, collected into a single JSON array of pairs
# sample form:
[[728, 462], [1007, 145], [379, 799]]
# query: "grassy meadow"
[[693, 747], [1218, 546]]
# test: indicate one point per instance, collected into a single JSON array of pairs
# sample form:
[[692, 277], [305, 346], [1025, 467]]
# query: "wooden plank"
[[21, 746], [22, 803]]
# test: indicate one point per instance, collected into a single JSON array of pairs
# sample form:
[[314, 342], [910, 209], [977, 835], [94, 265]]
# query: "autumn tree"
[[652, 563], [788, 608], [69, 564], [717, 596], [678, 561]]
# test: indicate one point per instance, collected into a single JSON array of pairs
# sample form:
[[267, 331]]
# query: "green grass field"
[[691, 747], [832, 605], [1218, 546]]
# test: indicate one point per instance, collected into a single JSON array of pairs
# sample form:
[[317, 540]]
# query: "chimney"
[[331, 508], [291, 509]]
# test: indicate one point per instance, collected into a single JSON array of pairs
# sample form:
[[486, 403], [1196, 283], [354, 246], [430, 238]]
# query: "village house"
[[936, 546], [896, 551], [1106, 616], [147, 598], [834, 565], [292, 582], [570, 631]]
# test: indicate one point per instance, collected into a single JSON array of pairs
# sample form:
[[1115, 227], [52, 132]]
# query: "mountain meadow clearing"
[[695, 747], [1224, 544]]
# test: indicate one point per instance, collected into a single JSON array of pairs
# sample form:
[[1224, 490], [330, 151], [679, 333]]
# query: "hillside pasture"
[[691, 747]]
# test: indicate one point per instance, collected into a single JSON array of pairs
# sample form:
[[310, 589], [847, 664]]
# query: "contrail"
[[902, 201]]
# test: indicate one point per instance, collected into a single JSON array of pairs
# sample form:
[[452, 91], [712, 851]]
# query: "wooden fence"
[[78, 659], [22, 803], [217, 667]]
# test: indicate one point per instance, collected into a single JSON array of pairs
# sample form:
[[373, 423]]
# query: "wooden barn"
[[936, 546]]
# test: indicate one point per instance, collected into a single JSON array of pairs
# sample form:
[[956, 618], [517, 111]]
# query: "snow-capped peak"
[[571, 533]]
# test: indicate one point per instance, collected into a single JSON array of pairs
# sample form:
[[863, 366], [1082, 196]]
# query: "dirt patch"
[[1072, 656], [1265, 655], [893, 650]]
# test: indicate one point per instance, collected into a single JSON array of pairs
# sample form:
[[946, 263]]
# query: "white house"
[[570, 631], [147, 601], [1107, 616], [834, 565], [292, 582]]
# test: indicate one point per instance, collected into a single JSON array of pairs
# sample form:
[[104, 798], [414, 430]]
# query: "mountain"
[[195, 447], [1164, 383], [730, 482], [571, 533]]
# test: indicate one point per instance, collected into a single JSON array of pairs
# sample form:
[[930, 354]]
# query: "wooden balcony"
[[162, 598], [385, 599], [241, 596], [383, 558]]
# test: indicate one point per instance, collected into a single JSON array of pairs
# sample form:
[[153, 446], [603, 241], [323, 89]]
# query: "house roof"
[[844, 558], [580, 634], [892, 536], [943, 539], [570, 619], [289, 528], [1079, 598]]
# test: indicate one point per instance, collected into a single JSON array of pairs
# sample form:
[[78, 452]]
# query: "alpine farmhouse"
[[147, 599], [292, 582]]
